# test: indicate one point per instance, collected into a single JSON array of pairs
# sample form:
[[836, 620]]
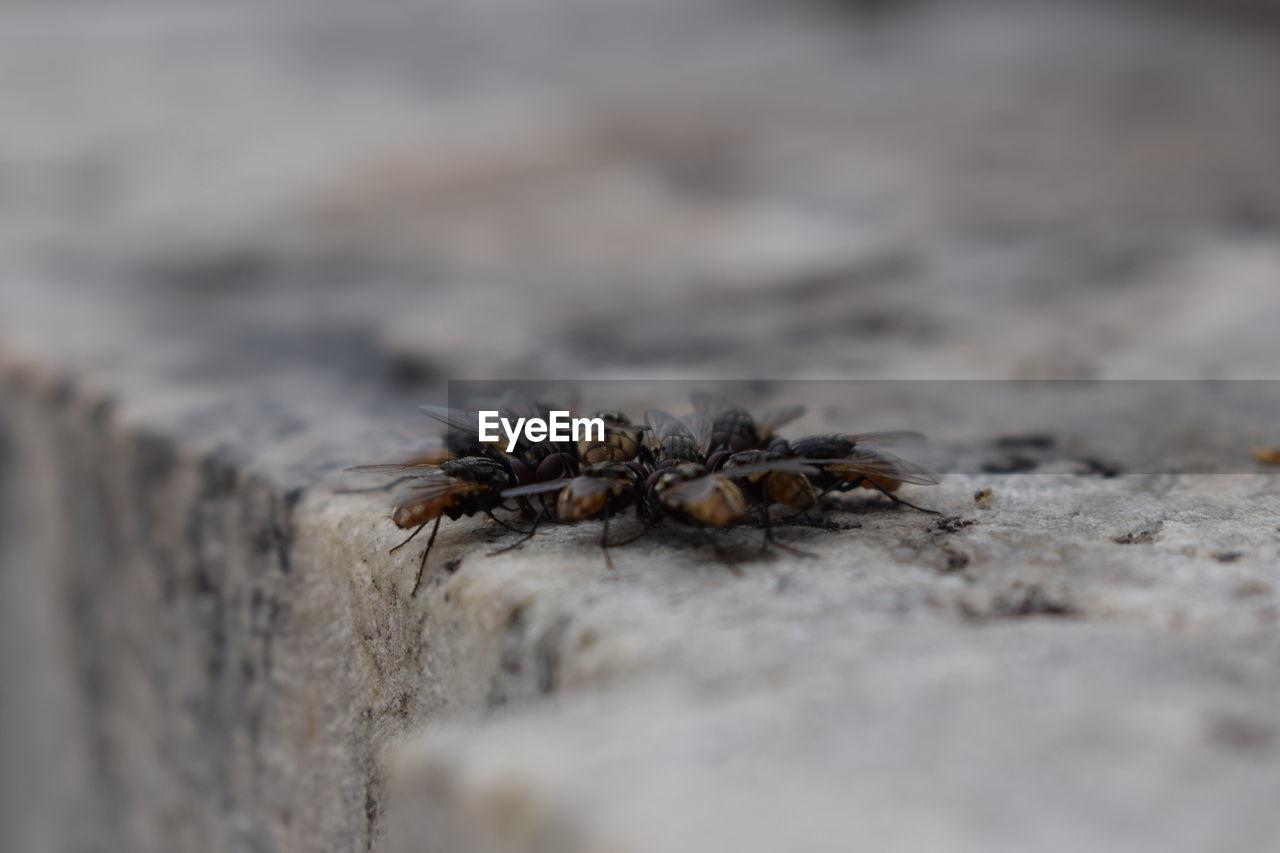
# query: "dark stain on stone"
[[1251, 589], [546, 653], [1021, 603], [101, 411], [951, 524], [236, 269], [957, 561], [1031, 441], [371, 794], [513, 640], [1227, 556], [1098, 468], [63, 392], [1144, 535], [155, 458], [1012, 464], [409, 371], [450, 566], [218, 477], [1241, 733]]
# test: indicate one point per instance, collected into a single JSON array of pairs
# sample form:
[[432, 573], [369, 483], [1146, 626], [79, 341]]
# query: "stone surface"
[[242, 243]]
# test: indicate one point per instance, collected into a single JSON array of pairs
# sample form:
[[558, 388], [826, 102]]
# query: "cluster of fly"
[[718, 467]]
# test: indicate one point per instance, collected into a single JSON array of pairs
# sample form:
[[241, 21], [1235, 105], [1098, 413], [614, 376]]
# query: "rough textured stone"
[[242, 243]]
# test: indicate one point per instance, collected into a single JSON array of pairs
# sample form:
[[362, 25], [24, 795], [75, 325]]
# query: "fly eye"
[[554, 466], [737, 442], [523, 473], [715, 460]]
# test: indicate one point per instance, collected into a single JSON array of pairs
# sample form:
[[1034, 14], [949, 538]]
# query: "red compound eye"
[[554, 466], [524, 474]]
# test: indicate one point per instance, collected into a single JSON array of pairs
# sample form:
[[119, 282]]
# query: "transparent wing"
[[799, 466], [431, 488], [707, 403], [699, 426], [699, 487], [661, 425], [878, 463], [537, 488], [770, 421], [516, 405], [462, 420], [584, 486], [691, 491], [421, 463]]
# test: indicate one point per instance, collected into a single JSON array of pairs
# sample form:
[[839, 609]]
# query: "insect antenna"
[[494, 518]]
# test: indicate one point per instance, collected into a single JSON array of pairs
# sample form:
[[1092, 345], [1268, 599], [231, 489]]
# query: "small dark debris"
[[1251, 589], [408, 371], [956, 561], [951, 524], [1098, 468], [450, 566], [983, 496], [1026, 602], [815, 522], [1140, 536], [1227, 556]]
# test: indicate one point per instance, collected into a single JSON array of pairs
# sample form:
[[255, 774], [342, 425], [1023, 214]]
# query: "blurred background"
[[746, 188], [268, 229]]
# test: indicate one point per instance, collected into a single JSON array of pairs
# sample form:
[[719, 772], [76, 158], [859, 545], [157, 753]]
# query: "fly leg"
[[770, 539], [897, 500], [537, 519], [604, 541], [703, 538], [422, 564], [643, 533], [415, 532], [497, 520]]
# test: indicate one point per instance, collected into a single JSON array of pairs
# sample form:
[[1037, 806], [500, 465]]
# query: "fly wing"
[[770, 421], [422, 463], [537, 488], [516, 405], [878, 463], [432, 487], [661, 425], [699, 425], [707, 403], [799, 466], [690, 491], [462, 420], [699, 487]]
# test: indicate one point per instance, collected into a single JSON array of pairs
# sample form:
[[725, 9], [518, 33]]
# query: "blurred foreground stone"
[[242, 244]]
